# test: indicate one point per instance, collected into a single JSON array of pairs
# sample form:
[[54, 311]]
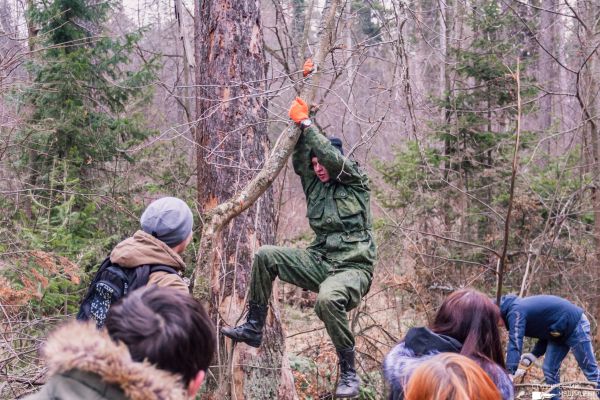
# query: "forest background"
[[477, 121]]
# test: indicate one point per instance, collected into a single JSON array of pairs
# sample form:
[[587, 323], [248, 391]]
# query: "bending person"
[[338, 265], [559, 326]]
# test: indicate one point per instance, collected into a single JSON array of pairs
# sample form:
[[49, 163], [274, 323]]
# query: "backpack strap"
[[163, 268], [141, 275], [143, 272]]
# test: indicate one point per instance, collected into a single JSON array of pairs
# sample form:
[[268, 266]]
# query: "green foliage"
[[81, 114], [50, 284], [557, 182], [81, 90], [58, 252], [66, 231], [61, 294], [558, 172], [406, 173], [480, 110], [456, 184]]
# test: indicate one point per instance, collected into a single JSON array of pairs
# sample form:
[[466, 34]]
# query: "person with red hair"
[[450, 376], [466, 323]]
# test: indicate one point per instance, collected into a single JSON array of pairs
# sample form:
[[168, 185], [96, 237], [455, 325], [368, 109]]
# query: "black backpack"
[[111, 283]]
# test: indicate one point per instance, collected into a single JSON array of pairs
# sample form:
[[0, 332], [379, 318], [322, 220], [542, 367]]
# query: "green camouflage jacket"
[[339, 211]]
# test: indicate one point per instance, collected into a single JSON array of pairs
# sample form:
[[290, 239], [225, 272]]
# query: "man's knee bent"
[[266, 259], [328, 303], [267, 250], [265, 254]]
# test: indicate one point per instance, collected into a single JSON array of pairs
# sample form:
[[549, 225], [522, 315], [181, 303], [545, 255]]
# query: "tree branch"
[[513, 177]]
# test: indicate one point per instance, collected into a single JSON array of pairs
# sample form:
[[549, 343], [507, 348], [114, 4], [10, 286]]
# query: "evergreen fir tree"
[[82, 87], [471, 149]]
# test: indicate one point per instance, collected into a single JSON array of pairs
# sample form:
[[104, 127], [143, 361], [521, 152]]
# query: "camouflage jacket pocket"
[[353, 237], [346, 202], [352, 248]]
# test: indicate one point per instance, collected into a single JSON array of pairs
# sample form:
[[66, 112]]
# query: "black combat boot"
[[349, 383], [251, 331]]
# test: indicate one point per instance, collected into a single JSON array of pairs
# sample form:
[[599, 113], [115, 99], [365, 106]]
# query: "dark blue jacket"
[[543, 317]]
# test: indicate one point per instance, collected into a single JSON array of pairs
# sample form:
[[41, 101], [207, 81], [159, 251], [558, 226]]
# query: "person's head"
[[170, 220], [168, 328], [319, 169], [471, 318], [449, 376]]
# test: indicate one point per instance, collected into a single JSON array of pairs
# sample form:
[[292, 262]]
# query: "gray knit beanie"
[[168, 219]]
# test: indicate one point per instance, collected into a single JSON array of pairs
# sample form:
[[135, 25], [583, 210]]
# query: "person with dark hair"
[[450, 376], [338, 265], [559, 326], [157, 344], [466, 323]]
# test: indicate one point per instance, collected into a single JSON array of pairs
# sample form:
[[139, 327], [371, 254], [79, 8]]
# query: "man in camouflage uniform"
[[338, 265]]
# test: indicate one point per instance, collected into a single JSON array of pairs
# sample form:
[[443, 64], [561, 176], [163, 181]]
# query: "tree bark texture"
[[546, 66], [232, 134], [588, 87]]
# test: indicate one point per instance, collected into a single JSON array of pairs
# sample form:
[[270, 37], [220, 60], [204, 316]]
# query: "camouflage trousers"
[[338, 292]]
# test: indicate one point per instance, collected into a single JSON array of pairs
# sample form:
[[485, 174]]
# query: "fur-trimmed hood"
[[79, 346], [403, 359]]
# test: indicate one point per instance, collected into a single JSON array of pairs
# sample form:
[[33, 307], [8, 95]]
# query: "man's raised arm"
[[313, 143]]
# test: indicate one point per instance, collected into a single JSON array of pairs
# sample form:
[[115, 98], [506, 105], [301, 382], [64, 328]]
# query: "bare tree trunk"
[[502, 261], [234, 144], [188, 60], [446, 113], [546, 67], [32, 173], [588, 88], [591, 103]]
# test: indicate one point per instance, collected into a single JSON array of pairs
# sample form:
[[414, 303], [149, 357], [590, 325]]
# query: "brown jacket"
[[84, 363], [143, 248]]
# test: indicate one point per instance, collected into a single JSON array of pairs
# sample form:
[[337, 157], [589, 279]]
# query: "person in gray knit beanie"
[[152, 256], [166, 232], [169, 220]]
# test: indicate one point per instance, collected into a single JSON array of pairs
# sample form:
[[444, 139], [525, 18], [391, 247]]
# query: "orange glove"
[[298, 110], [308, 67]]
